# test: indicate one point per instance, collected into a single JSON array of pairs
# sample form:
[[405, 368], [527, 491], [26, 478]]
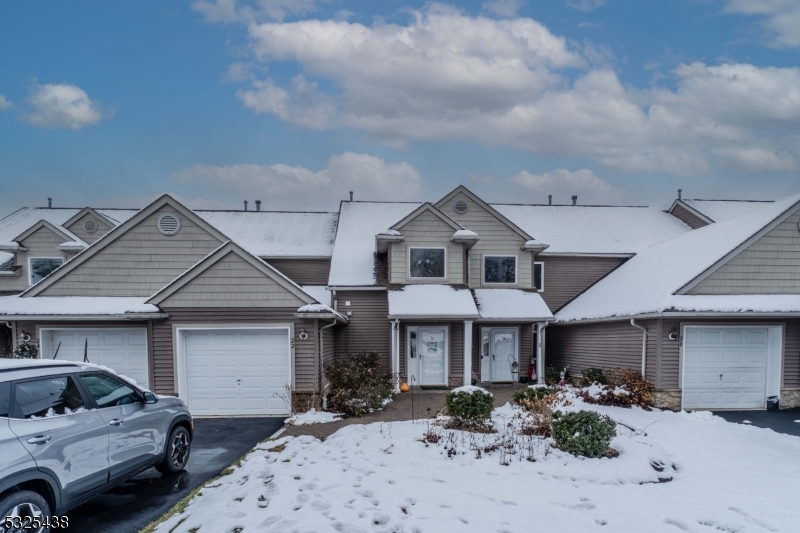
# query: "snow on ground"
[[382, 478], [313, 417]]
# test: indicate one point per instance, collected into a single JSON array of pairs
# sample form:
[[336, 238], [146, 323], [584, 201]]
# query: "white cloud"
[[5, 103], [584, 5], [563, 184], [781, 19], [283, 186], [503, 8], [63, 106], [233, 11]]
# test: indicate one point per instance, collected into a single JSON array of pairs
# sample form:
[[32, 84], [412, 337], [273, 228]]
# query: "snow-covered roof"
[[353, 262], [734, 303], [511, 304], [319, 293], [277, 233], [75, 305], [719, 210], [432, 301], [594, 229], [646, 283]]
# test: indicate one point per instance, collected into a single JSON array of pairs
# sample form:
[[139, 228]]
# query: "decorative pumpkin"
[[404, 387]]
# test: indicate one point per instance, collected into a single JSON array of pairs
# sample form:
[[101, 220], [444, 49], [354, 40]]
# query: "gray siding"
[[455, 350], [369, 329], [304, 271], [526, 346], [691, 220], [495, 239], [233, 282], [426, 230], [567, 277], [771, 265], [41, 243], [103, 227], [138, 263]]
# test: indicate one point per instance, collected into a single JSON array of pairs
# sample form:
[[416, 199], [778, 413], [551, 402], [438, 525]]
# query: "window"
[[5, 398], [108, 391], [41, 267], [500, 269], [426, 263], [538, 276], [47, 397]]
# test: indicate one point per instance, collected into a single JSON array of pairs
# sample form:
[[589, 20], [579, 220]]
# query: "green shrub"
[[583, 433], [469, 408], [358, 384], [593, 375], [531, 394], [552, 376]]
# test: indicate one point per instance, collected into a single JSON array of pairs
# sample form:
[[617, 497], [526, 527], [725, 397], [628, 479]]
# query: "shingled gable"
[[61, 232], [115, 234], [217, 255], [463, 190], [683, 205], [89, 211], [427, 207]]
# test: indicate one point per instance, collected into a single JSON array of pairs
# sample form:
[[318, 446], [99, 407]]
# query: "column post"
[[467, 352]]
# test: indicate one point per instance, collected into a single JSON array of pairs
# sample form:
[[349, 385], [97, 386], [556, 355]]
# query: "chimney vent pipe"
[[574, 199], [245, 205], [351, 196], [49, 202], [549, 199], [680, 194], [258, 205]]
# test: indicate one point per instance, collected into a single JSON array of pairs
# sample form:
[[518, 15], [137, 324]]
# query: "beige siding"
[[103, 227], [426, 230], [495, 239], [304, 271], [369, 329], [233, 282], [41, 243], [138, 263], [566, 277], [771, 265], [691, 220]]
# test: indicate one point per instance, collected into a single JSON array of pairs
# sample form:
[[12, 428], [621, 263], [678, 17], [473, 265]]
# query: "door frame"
[[772, 337], [179, 332], [446, 328], [480, 350]]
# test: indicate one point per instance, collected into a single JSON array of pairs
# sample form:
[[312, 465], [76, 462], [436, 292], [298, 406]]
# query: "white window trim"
[[493, 283], [534, 276], [408, 263], [415, 328], [30, 269]]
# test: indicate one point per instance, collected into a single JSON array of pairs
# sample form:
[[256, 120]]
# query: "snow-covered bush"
[[358, 384], [624, 387], [470, 406], [538, 404], [583, 433], [593, 375]]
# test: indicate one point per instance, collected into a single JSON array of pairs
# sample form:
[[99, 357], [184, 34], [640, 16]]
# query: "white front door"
[[124, 350], [238, 371], [503, 345], [725, 367], [432, 348]]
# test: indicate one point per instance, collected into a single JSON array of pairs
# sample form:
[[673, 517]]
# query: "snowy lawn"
[[383, 478]]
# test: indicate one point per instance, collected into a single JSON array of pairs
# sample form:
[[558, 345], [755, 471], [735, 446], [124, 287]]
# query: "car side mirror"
[[149, 397]]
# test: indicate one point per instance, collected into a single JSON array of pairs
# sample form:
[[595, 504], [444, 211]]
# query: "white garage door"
[[724, 367], [124, 350], [238, 372]]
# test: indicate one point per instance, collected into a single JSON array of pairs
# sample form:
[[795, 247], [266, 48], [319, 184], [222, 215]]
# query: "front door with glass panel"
[[431, 349], [499, 351]]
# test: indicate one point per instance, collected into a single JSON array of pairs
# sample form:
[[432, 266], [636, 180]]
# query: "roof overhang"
[[68, 318], [382, 241], [432, 302], [535, 246], [12, 247], [691, 209], [512, 305], [72, 246]]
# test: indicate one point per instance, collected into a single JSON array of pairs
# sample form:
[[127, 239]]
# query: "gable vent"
[[169, 224], [460, 206], [90, 225]]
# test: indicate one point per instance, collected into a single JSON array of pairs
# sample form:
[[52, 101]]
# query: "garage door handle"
[[40, 439], [116, 422]]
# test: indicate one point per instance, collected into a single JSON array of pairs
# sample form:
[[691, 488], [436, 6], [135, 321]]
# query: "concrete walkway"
[[426, 404]]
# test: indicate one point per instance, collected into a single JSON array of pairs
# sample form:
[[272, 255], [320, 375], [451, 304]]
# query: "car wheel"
[[18, 508], [176, 456]]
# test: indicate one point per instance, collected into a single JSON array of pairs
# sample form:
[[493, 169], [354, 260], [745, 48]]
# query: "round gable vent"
[[169, 224], [460, 206], [90, 225]]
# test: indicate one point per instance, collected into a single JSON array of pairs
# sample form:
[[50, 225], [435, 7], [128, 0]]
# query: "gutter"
[[644, 345], [330, 316], [355, 288], [680, 314], [540, 327], [435, 317], [141, 316]]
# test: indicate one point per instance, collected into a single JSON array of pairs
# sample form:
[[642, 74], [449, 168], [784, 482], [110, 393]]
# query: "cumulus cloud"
[[64, 106], [585, 5], [503, 8], [234, 11], [5, 103], [564, 183], [780, 19], [283, 186]]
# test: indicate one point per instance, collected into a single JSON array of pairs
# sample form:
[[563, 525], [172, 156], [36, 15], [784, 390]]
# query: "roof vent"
[[90, 225], [169, 224], [460, 206]]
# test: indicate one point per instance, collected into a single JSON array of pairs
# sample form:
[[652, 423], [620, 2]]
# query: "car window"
[[108, 391], [5, 398], [47, 397]]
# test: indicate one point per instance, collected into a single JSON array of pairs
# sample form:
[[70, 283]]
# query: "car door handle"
[[40, 439], [116, 422]]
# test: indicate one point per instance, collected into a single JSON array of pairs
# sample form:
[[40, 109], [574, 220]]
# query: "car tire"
[[176, 456], [23, 504]]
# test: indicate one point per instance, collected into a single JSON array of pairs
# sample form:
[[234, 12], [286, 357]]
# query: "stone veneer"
[[790, 398], [667, 399]]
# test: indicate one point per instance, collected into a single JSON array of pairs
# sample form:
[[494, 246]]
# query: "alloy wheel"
[[23, 511], [180, 450]]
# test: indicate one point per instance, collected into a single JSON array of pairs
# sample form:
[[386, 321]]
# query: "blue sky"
[[295, 102]]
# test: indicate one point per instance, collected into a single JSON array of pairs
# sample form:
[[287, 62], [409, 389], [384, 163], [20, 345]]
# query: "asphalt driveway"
[[784, 421], [131, 506]]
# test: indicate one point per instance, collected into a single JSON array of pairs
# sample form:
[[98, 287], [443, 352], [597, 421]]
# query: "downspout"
[[321, 362], [644, 345], [396, 354], [540, 352]]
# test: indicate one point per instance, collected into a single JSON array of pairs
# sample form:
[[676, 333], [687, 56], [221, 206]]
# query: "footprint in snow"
[[464, 520], [601, 522], [276, 524], [509, 502], [752, 520], [348, 528], [719, 527], [307, 486], [680, 525]]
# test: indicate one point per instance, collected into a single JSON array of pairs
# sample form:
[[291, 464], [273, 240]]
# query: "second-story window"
[[40, 267], [500, 269], [538, 276], [426, 263]]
